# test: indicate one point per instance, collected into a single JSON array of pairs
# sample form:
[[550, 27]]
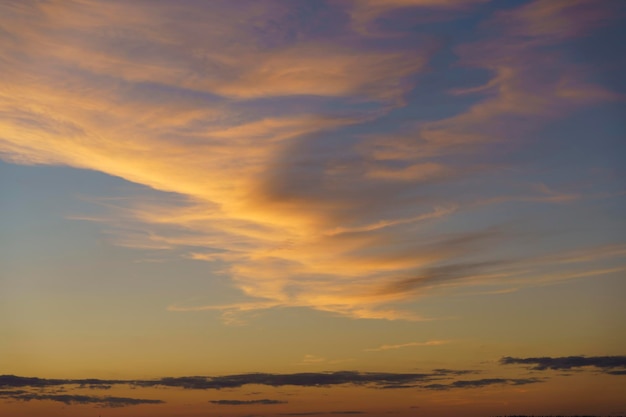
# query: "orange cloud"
[[298, 211]]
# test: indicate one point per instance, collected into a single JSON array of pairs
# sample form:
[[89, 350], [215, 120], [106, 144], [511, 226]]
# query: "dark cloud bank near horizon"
[[612, 365], [308, 379], [68, 399], [14, 387]]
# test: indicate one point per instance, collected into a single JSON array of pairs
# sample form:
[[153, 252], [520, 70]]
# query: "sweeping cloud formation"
[[264, 128]]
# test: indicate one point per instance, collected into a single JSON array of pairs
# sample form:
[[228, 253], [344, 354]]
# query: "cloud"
[[327, 71], [20, 381], [309, 379], [613, 365], [108, 401], [303, 379], [437, 379], [410, 344], [481, 383], [365, 12], [247, 402], [442, 274], [253, 125]]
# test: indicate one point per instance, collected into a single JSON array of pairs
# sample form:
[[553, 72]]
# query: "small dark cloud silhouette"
[[621, 372], [442, 371], [481, 383], [613, 365], [246, 402], [112, 402]]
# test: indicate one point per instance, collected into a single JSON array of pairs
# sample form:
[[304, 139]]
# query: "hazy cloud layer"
[[304, 160], [613, 365]]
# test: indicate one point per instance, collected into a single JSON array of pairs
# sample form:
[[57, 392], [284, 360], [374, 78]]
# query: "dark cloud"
[[441, 274], [21, 381], [297, 379], [613, 365], [10, 393], [112, 402], [621, 372], [481, 383], [246, 402], [313, 379], [442, 371], [381, 380]]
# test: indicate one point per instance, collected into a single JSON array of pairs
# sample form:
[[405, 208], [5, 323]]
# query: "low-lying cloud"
[[247, 402], [107, 401], [303, 379], [613, 365], [478, 383]]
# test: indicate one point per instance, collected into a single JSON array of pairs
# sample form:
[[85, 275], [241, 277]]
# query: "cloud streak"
[[482, 383], [405, 345], [68, 399], [613, 365], [263, 401]]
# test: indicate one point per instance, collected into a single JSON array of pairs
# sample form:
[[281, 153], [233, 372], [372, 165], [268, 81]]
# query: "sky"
[[312, 208]]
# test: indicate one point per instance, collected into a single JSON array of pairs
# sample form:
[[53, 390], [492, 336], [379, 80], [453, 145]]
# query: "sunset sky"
[[312, 208]]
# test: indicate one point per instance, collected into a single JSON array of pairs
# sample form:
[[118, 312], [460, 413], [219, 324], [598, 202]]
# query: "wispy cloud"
[[405, 345], [256, 123]]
